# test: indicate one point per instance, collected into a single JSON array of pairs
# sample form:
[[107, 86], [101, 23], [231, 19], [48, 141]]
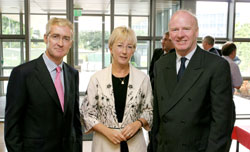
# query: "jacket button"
[[162, 98], [183, 122], [164, 118]]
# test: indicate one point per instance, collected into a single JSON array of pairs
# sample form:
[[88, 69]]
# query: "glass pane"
[[158, 44], [132, 7], [58, 16], [90, 48], [140, 57], [6, 72], [140, 26], [93, 6], [120, 21], [212, 18], [107, 59], [37, 48], [242, 22], [10, 24], [38, 26], [11, 54], [244, 55], [164, 10], [47, 6], [3, 88]]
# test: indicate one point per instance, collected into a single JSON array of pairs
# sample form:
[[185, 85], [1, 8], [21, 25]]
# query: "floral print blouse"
[[98, 105]]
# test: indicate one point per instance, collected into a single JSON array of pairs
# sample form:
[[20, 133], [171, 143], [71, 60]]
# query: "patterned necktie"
[[59, 87], [182, 68]]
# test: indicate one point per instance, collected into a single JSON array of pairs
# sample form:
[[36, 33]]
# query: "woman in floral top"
[[119, 100]]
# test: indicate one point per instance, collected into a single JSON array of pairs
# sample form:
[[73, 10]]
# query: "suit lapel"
[[190, 76], [43, 75], [67, 86], [170, 74]]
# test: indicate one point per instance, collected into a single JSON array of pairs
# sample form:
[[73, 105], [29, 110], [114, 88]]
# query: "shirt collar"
[[188, 56], [50, 64]]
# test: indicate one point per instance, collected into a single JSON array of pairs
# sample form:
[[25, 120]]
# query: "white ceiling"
[[124, 7]]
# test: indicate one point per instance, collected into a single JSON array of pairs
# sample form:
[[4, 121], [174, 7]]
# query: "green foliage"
[[10, 26], [243, 48], [91, 40], [242, 30]]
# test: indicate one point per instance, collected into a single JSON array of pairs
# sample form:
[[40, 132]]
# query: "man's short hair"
[[228, 48], [166, 33], [59, 22], [209, 39]]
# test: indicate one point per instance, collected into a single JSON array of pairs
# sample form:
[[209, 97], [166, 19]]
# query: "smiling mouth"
[[181, 42], [59, 50]]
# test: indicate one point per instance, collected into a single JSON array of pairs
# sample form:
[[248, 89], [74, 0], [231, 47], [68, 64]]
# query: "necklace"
[[122, 80]]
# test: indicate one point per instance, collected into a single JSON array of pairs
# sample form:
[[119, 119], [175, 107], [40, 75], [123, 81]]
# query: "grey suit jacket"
[[197, 113], [34, 120]]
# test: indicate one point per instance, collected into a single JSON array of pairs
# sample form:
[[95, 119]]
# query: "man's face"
[[166, 43], [205, 45], [183, 32], [59, 42]]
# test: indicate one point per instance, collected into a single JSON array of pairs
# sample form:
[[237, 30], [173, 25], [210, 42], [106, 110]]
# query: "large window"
[[242, 22], [140, 25], [10, 24], [89, 48], [212, 18], [164, 11], [244, 55]]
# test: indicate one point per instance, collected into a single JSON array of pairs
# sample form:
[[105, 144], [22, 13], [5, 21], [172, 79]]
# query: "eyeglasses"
[[58, 37]]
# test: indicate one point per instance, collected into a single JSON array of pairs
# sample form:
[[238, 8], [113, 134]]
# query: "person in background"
[[167, 45], [118, 102], [208, 45], [229, 53], [193, 104], [42, 109]]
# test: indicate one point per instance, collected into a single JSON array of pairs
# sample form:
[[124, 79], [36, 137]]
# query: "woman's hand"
[[131, 129], [115, 136]]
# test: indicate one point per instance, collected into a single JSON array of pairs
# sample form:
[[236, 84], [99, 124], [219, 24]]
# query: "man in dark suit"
[[167, 45], [193, 110], [42, 109], [208, 45]]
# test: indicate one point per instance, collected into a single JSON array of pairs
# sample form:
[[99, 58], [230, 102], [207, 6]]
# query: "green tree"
[[10, 26], [243, 48], [91, 40]]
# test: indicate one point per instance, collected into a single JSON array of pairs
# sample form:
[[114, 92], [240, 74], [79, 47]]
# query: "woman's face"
[[122, 51]]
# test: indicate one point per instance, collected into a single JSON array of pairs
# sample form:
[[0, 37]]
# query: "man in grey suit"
[[42, 109], [193, 106]]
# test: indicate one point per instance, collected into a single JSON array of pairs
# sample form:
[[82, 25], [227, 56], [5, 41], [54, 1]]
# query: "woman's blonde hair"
[[59, 22], [122, 33]]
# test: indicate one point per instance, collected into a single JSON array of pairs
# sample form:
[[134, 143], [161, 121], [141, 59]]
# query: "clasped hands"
[[116, 136]]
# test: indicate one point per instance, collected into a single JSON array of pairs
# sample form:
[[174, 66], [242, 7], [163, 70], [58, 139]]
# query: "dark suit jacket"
[[215, 51], [34, 120], [156, 55], [197, 113]]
